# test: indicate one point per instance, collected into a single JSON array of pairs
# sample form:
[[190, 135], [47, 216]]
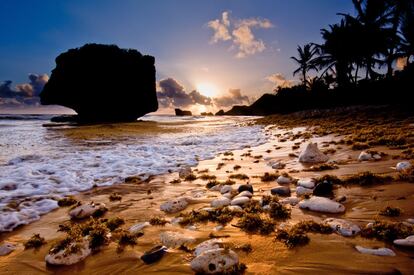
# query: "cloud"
[[23, 94], [240, 32], [234, 97], [280, 81]]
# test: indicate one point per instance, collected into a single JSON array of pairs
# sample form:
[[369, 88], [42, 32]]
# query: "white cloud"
[[280, 81], [240, 32]]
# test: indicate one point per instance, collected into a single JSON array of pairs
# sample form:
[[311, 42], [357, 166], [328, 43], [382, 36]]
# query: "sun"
[[207, 89]]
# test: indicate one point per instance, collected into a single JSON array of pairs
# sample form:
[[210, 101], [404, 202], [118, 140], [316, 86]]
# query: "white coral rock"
[[312, 154], [322, 204]]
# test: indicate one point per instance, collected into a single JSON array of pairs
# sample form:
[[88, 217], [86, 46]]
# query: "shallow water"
[[40, 163]]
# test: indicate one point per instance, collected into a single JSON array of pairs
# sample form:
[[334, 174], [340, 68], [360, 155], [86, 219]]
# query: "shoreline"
[[141, 201]]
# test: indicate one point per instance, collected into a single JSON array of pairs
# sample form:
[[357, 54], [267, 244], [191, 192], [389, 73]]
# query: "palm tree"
[[304, 60], [407, 31]]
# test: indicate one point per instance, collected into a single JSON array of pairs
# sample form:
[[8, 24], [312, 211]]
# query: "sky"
[[224, 49]]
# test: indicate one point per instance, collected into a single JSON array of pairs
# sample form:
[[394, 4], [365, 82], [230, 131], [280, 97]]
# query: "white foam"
[[43, 165]]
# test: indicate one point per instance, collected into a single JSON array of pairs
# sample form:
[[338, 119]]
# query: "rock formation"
[[179, 112], [103, 83]]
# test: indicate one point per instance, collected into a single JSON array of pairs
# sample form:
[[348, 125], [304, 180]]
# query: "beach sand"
[[141, 201]]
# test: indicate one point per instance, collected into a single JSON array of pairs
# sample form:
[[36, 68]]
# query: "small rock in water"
[[154, 254], [240, 201], [245, 194], [283, 180], [291, 200], [307, 183], [277, 165], [343, 227], [376, 156], [302, 191], [226, 189], [220, 202], [365, 156], [72, 254], [86, 210], [281, 191], [378, 251], [214, 261], [138, 227], [208, 245], [322, 204], [175, 205], [409, 241], [174, 239], [312, 154], [245, 187], [403, 166], [323, 189], [184, 172], [6, 248]]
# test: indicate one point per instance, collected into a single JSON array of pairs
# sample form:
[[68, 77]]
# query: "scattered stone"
[[290, 200], [312, 154], [86, 210], [409, 241], [154, 254], [228, 195], [323, 189], [215, 261], [174, 239], [343, 227], [245, 194], [184, 172], [322, 204], [283, 180], [378, 251], [240, 201], [6, 248], [307, 183], [302, 191], [364, 156], [220, 202], [403, 166], [138, 227], [235, 208], [218, 227], [245, 187], [208, 245], [175, 205], [72, 254], [411, 220], [281, 191], [226, 189], [216, 187], [277, 165]]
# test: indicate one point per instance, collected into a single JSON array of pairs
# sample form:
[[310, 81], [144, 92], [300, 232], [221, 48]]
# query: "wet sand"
[[331, 254]]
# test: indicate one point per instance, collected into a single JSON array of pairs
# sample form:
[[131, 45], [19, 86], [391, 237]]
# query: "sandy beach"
[[326, 253]]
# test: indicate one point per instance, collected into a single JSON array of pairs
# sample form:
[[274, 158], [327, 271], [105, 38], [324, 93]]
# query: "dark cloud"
[[22, 94], [234, 97]]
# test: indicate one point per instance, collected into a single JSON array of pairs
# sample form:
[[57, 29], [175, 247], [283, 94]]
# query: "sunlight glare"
[[207, 89]]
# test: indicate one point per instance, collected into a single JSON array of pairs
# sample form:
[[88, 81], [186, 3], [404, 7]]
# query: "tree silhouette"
[[305, 61]]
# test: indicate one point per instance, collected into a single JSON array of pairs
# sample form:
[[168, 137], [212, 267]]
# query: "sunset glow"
[[207, 89]]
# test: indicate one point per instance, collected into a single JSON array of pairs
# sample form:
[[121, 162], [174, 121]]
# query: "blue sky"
[[175, 32]]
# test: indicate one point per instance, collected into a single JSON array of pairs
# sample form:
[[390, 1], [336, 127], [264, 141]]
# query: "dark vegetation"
[[35, 241], [366, 58]]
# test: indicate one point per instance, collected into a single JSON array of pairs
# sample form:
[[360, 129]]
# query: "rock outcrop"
[[312, 154], [103, 83], [179, 112]]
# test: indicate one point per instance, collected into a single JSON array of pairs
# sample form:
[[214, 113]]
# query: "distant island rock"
[[219, 113], [179, 112], [207, 114], [103, 83]]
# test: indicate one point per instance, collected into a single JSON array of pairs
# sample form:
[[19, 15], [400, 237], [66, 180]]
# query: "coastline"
[[140, 202]]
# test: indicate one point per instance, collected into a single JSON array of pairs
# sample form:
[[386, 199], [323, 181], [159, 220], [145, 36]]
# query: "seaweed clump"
[[387, 231], [366, 178], [322, 167], [253, 223], [190, 177], [390, 211], [68, 201], [269, 177], [279, 211], [158, 221], [35, 241], [239, 176], [115, 197], [114, 223], [221, 215]]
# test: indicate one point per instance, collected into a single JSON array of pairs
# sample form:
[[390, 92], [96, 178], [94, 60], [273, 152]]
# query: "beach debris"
[[284, 180], [138, 227], [245, 194], [302, 191], [383, 251], [254, 223], [215, 261], [158, 221], [184, 172], [71, 253], [277, 165], [226, 189], [68, 201], [6, 248], [115, 197], [240, 201], [390, 211], [220, 202], [403, 166], [409, 241], [175, 205], [364, 156], [278, 211], [387, 231], [35, 241], [343, 227], [323, 189], [174, 239], [322, 204], [245, 187], [208, 245], [307, 183], [154, 254], [281, 191], [290, 200], [312, 154], [87, 210]]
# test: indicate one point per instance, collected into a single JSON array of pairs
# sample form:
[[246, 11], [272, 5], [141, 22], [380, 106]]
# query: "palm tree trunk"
[[356, 74]]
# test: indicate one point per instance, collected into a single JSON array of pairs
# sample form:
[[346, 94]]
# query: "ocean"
[[41, 162]]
